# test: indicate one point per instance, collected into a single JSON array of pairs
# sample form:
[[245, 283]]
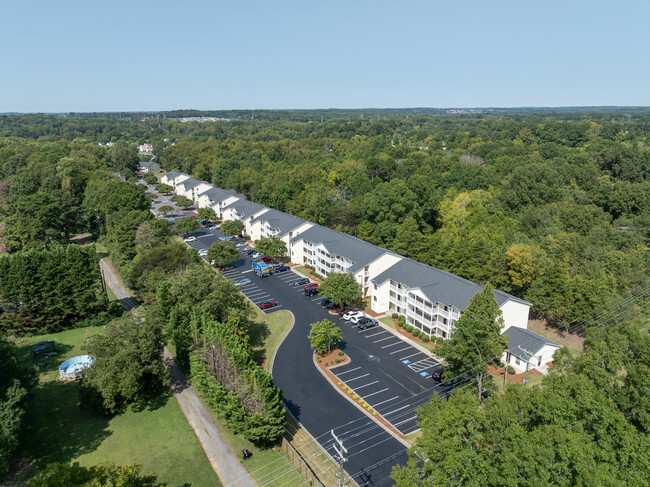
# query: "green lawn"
[[268, 332], [301, 270], [158, 437]]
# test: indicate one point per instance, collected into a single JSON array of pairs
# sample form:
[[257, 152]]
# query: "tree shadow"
[[44, 363], [293, 408], [152, 401], [258, 333], [56, 428]]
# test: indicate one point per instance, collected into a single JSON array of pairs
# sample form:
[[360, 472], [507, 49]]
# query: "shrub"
[[361, 401], [326, 364], [401, 319], [374, 413], [369, 407], [339, 383], [425, 339], [408, 328], [340, 353], [394, 316], [350, 391], [511, 370], [355, 397], [319, 361], [345, 388], [338, 361], [415, 333]]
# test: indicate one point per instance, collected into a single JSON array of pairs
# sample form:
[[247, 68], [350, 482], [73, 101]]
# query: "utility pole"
[[505, 370], [342, 460], [528, 355]]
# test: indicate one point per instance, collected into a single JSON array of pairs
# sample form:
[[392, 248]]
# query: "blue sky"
[[159, 55]]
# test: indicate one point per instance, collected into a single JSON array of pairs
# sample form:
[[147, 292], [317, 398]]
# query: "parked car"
[[256, 255], [240, 245], [325, 301], [356, 318], [267, 304], [266, 259], [301, 281], [311, 291], [351, 314], [282, 268], [242, 282], [437, 374], [365, 323], [203, 252], [311, 285], [251, 251], [213, 227], [332, 305], [346, 310], [189, 239]]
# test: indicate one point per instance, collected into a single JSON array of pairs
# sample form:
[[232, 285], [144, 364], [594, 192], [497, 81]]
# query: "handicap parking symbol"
[[424, 374], [406, 362]]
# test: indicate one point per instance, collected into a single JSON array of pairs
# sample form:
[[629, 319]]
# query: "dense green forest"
[[550, 205]]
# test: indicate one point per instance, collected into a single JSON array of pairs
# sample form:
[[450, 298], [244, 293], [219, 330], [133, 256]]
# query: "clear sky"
[[70, 55]]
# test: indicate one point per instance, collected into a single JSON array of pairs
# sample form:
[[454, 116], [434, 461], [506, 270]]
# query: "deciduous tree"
[[232, 227], [223, 253], [341, 288], [324, 335]]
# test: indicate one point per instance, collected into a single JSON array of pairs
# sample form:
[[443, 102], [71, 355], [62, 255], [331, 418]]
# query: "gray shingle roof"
[[521, 338], [245, 207], [360, 252], [280, 220], [192, 183], [438, 285], [217, 194], [174, 174]]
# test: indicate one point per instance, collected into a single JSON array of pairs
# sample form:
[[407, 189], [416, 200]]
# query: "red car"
[[267, 304], [311, 285], [266, 259]]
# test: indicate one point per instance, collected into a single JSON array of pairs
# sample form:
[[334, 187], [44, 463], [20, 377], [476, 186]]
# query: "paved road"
[[223, 460]]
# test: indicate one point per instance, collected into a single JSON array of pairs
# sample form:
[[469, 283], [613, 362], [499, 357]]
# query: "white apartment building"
[[191, 188], [214, 198], [525, 346], [172, 178], [273, 223], [432, 300]]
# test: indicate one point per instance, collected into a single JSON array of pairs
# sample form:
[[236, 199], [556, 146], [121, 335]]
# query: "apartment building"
[[273, 223], [191, 188], [432, 300], [172, 178], [527, 347]]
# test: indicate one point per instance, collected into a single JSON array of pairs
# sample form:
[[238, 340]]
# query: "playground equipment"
[[73, 368]]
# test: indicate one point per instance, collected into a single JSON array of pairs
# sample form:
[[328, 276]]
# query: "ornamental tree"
[[271, 247], [223, 253], [341, 288], [324, 335], [232, 227]]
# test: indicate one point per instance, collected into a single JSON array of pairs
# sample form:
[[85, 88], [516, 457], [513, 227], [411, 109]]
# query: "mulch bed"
[[514, 378], [405, 333]]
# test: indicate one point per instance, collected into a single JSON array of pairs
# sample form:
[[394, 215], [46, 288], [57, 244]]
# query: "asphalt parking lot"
[[390, 374]]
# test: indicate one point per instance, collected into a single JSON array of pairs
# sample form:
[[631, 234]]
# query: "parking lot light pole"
[[342, 459]]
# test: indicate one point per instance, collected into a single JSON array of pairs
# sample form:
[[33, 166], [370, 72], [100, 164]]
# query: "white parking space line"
[[256, 294], [356, 388], [394, 411], [384, 402], [350, 370], [400, 350], [393, 344], [382, 339], [368, 395], [412, 355], [360, 377], [316, 299], [380, 333], [405, 421], [249, 270]]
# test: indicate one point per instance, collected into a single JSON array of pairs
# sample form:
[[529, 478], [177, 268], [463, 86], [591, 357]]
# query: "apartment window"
[[516, 360]]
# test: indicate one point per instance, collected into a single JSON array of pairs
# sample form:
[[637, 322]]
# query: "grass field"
[[267, 337], [156, 436]]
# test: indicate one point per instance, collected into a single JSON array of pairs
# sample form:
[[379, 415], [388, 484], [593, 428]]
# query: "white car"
[[352, 314], [356, 318], [203, 252], [242, 282], [189, 239]]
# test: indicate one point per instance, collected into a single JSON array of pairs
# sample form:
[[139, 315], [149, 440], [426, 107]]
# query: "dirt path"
[[223, 460]]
